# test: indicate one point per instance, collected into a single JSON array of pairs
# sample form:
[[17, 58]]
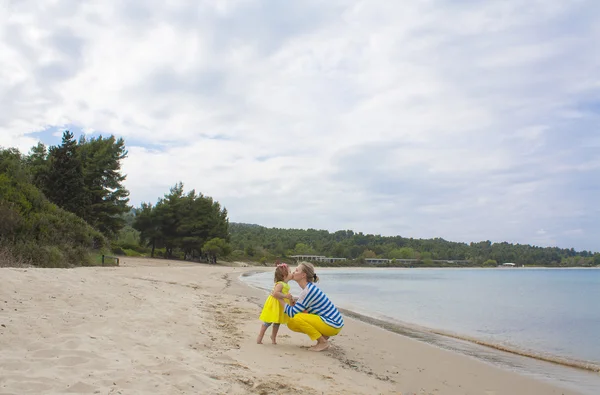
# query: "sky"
[[458, 119]]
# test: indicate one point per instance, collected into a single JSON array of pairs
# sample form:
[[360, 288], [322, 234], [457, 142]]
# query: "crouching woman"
[[313, 313]]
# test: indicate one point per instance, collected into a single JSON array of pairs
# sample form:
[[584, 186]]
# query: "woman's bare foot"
[[258, 341], [321, 346]]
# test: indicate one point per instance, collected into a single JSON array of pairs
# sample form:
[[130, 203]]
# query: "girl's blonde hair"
[[309, 270], [281, 272]]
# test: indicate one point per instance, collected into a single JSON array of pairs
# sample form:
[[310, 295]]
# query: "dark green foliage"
[[64, 183], [84, 178], [354, 246], [35, 230], [107, 200], [37, 162], [182, 222], [216, 248]]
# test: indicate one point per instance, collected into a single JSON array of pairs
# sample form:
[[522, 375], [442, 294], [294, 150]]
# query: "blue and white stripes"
[[316, 302]]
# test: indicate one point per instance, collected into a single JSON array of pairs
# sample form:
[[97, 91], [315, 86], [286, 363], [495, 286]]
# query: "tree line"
[[191, 224], [62, 205], [256, 241]]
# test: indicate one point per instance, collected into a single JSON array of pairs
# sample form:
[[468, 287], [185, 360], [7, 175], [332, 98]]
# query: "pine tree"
[[37, 161], [106, 196], [64, 183]]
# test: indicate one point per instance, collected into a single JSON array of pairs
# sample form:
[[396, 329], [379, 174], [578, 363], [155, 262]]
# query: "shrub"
[[35, 230], [129, 252], [8, 259]]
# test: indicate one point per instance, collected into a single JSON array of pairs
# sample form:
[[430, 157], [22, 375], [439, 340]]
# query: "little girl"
[[272, 312]]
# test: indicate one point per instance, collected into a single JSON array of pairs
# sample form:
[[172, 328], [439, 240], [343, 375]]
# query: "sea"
[[539, 322]]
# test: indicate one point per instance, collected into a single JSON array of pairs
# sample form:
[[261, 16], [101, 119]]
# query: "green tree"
[[183, 222], [303, 249], [250, 251], [106, 197], [216, 248], [490, 262], [401, 253], [37, 161], [64, 184], [148, 224], [369, 254]]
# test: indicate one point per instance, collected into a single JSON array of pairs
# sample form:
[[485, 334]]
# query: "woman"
[[322, 319]]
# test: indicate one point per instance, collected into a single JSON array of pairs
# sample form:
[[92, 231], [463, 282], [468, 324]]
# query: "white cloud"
[[462, 120]]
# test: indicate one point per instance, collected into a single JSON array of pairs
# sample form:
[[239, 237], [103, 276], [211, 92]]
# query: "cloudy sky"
[[460, 119]]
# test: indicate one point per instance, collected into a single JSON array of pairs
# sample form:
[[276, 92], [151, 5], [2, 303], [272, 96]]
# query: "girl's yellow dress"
[[272, 310]]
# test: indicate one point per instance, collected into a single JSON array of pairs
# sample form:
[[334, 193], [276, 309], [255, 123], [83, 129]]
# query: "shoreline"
[[427, 335], [156, 327], [424, 333], [449, 340]]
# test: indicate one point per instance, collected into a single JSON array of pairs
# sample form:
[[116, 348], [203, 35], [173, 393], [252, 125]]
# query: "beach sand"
[[164, 327]]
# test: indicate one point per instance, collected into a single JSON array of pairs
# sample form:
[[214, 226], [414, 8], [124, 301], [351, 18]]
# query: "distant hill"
[[255, 240]]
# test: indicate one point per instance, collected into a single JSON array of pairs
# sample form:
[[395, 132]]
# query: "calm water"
[[551, 312]]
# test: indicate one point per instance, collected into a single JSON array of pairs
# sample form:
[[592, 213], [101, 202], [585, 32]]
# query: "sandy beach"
[[164, 327]]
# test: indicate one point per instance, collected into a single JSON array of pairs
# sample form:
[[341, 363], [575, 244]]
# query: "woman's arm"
[[298, 307]]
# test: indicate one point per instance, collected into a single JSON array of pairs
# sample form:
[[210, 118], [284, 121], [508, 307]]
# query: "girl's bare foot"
[[273, 339]]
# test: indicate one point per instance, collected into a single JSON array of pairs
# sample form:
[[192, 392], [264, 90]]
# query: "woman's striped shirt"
[[314, 301]]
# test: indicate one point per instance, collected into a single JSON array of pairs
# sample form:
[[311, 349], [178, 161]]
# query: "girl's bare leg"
[[261, 334], [274, 333]]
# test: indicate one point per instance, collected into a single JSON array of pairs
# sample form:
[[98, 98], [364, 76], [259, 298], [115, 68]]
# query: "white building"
[[317, 258], [377, 261]]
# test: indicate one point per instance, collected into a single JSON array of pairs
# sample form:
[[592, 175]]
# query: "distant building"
[[317, 258], [372, 261], [509, 264], [377, 261]]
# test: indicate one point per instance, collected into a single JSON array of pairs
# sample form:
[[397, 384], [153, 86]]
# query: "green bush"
[[490, 262], [129, 252], [35, 230], [237, 254]]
